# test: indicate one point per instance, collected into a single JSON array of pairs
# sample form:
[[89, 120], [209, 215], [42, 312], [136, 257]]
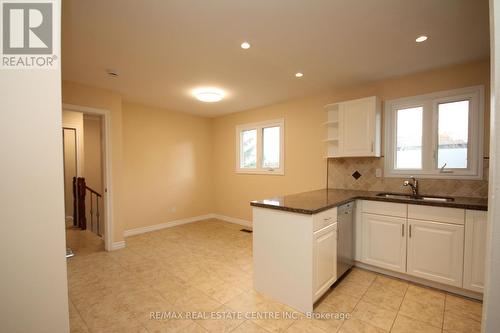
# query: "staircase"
[[83, 198]]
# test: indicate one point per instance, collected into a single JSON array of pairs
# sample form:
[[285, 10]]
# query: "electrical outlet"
[[378, 172], [173, 209]]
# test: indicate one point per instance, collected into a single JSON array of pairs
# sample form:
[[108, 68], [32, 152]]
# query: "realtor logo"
[[27, 34], [27, 28]]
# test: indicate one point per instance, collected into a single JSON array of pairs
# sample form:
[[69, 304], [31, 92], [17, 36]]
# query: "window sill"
[[260, 172], [443, 176]]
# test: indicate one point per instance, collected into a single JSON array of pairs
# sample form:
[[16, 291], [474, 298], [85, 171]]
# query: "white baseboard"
[[170, 224], [137, 231], [234, 220], [117, 245]]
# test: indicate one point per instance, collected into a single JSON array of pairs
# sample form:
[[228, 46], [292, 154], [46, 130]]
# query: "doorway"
[[86, 179]]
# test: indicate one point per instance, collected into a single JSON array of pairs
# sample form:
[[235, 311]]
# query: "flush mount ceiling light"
[[208, 95], [421, 39], [299, 74], [245, 45]]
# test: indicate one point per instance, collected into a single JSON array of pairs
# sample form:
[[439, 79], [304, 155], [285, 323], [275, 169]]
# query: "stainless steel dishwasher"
[[345, 239]]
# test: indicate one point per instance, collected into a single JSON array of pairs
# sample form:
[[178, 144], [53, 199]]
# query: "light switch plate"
[[378, 172]]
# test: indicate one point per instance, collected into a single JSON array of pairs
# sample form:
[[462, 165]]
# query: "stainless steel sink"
[[440, 199], [411, 197], [394, 195]]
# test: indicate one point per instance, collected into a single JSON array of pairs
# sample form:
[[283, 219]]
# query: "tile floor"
[[205, 268], [83, 242]]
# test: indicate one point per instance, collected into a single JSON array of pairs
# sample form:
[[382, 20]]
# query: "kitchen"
[[265, 166], [430, 240]]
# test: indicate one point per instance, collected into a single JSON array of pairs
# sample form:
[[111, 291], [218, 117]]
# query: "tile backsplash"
[[359, 174]]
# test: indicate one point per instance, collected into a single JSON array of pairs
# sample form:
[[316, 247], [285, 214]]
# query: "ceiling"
[[165, 48]]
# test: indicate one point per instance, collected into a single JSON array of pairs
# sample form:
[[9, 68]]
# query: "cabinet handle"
[[409, 234], [373, 146], [402, 230]]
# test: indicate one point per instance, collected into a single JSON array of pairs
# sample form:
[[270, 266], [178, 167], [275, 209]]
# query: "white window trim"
[[259, 126], [429, 142]]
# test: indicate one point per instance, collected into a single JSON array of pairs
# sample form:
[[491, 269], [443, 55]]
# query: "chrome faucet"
[[413, 185]]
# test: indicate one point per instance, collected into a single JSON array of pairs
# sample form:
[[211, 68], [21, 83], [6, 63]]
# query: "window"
[[260, 148], [437, 135], [409, 138], [453, 134]]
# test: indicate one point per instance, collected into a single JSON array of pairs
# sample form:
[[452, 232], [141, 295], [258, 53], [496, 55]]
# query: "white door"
[[435, 251], [384, 241], [475, 250], [325, 259], [357, 128]]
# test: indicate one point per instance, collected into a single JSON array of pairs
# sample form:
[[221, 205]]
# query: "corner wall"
[[167, 166], [33, 283]]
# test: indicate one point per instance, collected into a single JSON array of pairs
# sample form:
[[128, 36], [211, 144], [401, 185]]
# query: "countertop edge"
[[339, 203]]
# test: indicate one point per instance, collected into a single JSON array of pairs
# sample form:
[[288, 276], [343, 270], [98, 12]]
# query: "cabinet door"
[[435, 251], [384, 241], [357, 128], [475, 250], [325, 259]]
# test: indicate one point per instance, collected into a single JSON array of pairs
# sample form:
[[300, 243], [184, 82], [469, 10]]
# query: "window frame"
[[259, 126], [430, 104]]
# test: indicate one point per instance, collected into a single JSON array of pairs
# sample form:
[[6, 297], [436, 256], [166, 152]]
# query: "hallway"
[[83, 242]]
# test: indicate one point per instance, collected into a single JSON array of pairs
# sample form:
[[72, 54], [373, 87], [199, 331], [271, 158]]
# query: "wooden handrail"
[[80, 189], [93, 191]]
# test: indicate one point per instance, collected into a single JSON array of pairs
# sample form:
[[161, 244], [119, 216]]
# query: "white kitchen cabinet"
[[435, 251], [384, 241], [475, 250], [294, 255], [354, 128], [325, 259]]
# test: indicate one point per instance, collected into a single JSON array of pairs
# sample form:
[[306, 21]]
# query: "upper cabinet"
[[354, 128]]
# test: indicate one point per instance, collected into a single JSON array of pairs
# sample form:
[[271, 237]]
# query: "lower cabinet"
[[435, 251], [475, 250], [324, 259], [440, 244], [384, 241]]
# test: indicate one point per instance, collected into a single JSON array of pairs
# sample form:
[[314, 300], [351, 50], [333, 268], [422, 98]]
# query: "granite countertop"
[[313, 202]]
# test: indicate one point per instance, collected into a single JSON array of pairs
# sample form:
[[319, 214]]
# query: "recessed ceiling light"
[[421, 39], [245, 45], [208, 95], [299, 74]]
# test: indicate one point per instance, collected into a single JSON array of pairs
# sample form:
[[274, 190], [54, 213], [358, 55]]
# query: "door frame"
[[107, 166]]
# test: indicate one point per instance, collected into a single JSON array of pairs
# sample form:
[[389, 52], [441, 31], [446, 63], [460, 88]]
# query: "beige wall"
[[167, 166], [71, 119], [70, 169], [93, 152], [161, 160], [74, 155], [33, 283], [305, 167]]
